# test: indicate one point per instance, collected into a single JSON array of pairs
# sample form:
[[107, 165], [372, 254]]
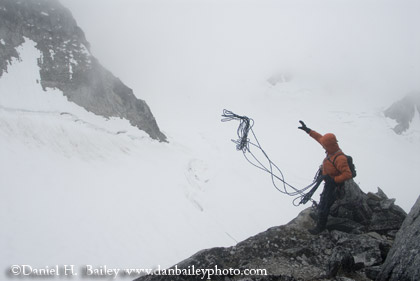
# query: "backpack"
[[349, 162]]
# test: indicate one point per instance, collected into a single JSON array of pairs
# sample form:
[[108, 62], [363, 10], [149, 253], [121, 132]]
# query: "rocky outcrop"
[[403, 111], [357, 212], [66, 62], [360, 233], [403, 260]]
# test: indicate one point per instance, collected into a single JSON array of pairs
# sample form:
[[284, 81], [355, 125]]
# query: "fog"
[[121, 198], [189, 59], [166, 47]]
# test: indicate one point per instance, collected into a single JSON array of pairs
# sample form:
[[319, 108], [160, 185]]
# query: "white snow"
[[86, 187], [2, 42], [45, 14], [52, 53], [79, 189], [85, 50], [72, 62]]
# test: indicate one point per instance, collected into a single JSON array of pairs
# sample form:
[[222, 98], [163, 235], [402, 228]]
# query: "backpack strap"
[[335, 158]]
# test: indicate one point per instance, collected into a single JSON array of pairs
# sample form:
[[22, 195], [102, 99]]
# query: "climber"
[[335, 171]]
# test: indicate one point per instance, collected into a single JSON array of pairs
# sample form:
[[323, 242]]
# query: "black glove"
[[304, 128]]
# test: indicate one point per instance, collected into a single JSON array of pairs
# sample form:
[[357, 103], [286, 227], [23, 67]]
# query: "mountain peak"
[[66, 63], [404, 111]]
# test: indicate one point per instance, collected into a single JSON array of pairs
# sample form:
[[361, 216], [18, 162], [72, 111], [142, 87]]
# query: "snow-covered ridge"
[[22, 98], [67, 64]]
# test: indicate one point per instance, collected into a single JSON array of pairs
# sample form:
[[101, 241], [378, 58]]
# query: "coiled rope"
[[244, 144]]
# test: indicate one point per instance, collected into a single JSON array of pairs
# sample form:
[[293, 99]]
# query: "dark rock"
[[290, 253], [372, 272], [357, 212], [341, 260], [345, 225], [352, 204], [347, 251], [387, 217], [384, 221], [381, 194], [403, 260], [365, 249], [403, 111], [66, 62]]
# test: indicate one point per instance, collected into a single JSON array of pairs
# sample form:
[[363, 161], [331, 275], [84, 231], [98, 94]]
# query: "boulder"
[[403, 260], [357, 212], [352, 204]]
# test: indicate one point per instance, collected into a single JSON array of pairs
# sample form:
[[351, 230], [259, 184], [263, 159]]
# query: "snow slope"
[[79, 189]]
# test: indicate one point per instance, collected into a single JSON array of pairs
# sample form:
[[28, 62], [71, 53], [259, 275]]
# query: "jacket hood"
[[330, 143]]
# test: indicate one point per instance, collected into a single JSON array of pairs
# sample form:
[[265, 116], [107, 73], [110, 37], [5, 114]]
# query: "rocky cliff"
[[66, 62], [360, 233], [403, 261], [403, 111]]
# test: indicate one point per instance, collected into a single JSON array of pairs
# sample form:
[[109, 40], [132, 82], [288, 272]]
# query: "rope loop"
[[244, 144]]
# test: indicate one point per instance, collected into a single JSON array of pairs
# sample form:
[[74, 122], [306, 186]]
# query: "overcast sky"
[[156, 45]]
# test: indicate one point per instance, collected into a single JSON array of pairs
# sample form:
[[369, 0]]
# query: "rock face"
[[66, 62], [360, 233], [403, 261], [357, 212], [403, 111]]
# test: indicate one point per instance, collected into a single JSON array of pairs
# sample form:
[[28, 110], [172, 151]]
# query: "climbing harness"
[[244, 144]]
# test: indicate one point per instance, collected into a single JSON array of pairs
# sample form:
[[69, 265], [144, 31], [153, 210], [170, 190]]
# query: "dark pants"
[[328, 196]]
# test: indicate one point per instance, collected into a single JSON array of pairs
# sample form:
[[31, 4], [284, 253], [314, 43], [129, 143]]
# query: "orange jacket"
[[340, 170]]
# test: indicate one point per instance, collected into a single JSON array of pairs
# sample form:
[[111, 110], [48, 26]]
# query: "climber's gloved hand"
[[329, 180], [303, 127]]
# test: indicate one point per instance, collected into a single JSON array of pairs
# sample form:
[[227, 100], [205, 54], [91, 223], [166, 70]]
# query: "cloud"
[[182, 41]]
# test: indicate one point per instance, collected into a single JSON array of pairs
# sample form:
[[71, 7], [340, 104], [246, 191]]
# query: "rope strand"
[[244, 144]]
